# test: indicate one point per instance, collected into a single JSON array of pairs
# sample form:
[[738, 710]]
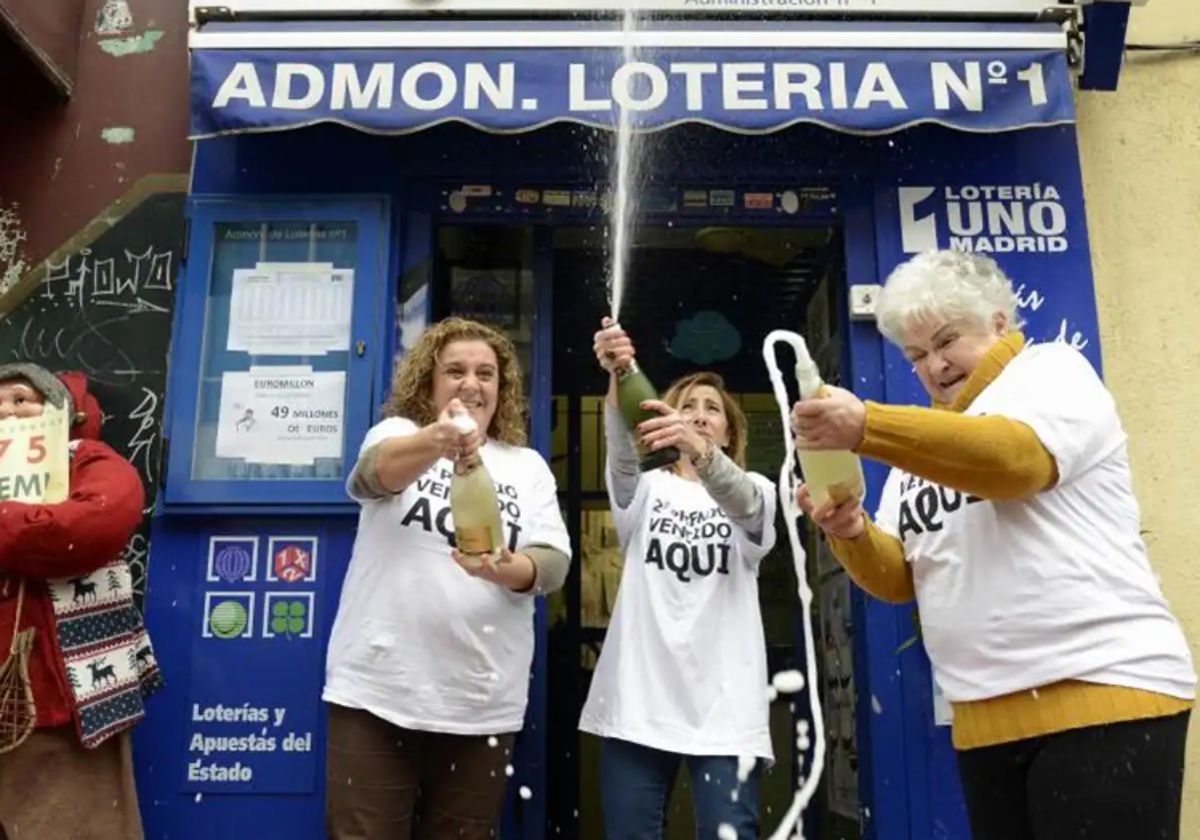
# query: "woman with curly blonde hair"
[[428, 668]]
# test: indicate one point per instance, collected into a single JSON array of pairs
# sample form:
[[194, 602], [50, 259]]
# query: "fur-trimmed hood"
[[66, 390]]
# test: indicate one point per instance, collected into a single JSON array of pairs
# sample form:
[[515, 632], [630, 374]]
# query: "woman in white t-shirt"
[[428, 669], [1009, 516], [682, 677]]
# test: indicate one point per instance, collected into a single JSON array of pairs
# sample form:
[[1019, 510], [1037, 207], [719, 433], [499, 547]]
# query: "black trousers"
[[1120, 781]]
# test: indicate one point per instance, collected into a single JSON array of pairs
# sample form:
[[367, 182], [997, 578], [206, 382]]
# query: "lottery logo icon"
[[292, 564], [232, 563], [228, 620]]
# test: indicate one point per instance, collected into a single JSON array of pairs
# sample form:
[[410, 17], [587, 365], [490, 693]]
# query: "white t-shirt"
[[417, 641], [1016, 595], [684, 664]]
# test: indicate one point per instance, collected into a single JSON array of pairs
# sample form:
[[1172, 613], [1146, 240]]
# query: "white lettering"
[[298, 743], [198, 771], [280, 712], [807, 86], [376, 93], [623, 86], [878, 86], [1047, 218], [969, 91], [839, 90], [241, 83], [283, 97], [230, 714], [1009, 244], [693, 74], [1030, 299], [479, 82], [734, 85], [206, 745], [973, 226], [1006, 217], [579, 95], [447, 86]]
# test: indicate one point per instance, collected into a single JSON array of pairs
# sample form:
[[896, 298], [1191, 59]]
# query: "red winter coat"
[[74, 537]]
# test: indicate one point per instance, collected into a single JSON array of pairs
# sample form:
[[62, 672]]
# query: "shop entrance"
[[699, 297]]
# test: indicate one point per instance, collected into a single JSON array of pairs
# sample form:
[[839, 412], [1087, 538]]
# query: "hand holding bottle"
[[612, 345], [512, 571], [835, 420], [670, 429], [450, 437], [842, 521]]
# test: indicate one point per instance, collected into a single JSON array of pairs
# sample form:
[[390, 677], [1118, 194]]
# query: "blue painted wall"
[[1025, 181]]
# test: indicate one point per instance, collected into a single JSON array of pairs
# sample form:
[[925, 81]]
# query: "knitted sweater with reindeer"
[[92, 663]]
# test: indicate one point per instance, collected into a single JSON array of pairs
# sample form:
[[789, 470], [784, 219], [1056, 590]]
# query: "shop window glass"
[[272, 399]]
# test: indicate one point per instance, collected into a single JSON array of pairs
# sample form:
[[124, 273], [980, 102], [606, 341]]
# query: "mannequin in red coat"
[[72, 779]]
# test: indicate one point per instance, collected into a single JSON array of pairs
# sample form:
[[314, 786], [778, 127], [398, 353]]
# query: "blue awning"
[[508, 77]]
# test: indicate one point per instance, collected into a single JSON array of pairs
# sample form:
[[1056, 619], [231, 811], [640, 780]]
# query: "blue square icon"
[[232, 559]]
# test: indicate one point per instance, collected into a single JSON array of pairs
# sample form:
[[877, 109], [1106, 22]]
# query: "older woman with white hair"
[[1009, 517]]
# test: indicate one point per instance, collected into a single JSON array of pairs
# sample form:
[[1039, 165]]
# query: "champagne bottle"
[[829, 474], [478, 531], [634, 388]]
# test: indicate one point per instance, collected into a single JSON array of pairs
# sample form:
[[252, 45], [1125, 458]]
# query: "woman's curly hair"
[[412, 389], [734, 416]]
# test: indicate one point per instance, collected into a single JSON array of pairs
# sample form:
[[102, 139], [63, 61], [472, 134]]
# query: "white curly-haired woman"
[[1009, 517]]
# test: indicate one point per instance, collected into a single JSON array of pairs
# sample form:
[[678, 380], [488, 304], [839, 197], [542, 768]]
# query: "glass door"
[[699, 298], [495, 273]]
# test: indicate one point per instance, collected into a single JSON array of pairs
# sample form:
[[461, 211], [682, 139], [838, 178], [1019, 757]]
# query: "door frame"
[[523, 818], [883, 777]]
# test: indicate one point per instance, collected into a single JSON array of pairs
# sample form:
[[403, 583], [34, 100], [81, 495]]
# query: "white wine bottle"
[[474, 505], [828, 473]]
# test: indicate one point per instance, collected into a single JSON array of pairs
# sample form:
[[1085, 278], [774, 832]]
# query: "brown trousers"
[[388, 783], [51, 788]]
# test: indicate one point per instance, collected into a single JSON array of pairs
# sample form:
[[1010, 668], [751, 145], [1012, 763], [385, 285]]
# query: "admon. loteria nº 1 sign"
[[747, 90]]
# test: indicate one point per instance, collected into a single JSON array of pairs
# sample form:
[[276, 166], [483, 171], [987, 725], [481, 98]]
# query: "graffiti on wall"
[[12, 255], [103, 305]]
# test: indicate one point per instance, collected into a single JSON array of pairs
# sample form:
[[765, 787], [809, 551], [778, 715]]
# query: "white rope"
[[793, 819]]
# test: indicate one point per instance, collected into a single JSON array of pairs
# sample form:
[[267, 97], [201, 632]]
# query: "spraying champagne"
[[828, 474], [633, 389]]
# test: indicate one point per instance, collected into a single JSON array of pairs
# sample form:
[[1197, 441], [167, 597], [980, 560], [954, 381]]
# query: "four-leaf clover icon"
[[288, 618]]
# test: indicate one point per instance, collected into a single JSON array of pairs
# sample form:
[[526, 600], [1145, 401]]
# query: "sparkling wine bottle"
[[634, 388], [474, 505], [829, 474]]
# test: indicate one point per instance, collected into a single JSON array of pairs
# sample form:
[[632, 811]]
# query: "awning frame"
[[463, 36], [201, 11]]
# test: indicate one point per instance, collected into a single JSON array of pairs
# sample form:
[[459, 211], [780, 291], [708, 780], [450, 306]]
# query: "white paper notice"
[[35, 463], [282, 415], [284, 310]]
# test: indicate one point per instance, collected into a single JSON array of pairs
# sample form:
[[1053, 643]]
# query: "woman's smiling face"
[[470, 371]]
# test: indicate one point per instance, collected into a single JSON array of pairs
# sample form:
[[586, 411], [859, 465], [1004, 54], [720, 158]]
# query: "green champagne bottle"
[[478, 530], [634, 388]]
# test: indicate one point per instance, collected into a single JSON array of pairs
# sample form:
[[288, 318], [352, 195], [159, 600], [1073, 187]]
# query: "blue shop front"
[[355, 179]]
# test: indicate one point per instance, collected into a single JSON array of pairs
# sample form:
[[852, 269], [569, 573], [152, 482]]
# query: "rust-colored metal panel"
[[47, 31], [63, 163]]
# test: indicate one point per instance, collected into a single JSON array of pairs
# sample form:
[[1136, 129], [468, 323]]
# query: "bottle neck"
[[629, 369], [466, 466], [809, 381]]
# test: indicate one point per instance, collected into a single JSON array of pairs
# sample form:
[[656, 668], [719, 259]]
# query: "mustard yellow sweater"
[[997, 459]]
